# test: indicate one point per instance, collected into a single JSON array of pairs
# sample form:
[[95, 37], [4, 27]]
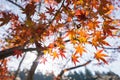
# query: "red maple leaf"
[[62, 53], [75, 59], [17, 53]]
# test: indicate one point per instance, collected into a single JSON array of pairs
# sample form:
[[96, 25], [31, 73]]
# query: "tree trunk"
[[36, 62], [33, 68]]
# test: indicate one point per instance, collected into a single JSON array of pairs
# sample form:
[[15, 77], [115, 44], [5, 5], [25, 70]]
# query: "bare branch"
[[17, 72], [111, 48], [16, 4], [33, 68], [71, 68], [9, 52]]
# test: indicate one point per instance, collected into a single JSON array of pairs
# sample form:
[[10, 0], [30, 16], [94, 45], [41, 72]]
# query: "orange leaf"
[[71, 34], [36, 0], [81, 14], [75, 59], [100, 56], [93, 25], [69, 19], [80, 50]]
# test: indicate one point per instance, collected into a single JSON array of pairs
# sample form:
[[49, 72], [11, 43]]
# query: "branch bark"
[[110, 48], [71, 68], [17, 72], [33, 68], [36, 62], [10, 52]]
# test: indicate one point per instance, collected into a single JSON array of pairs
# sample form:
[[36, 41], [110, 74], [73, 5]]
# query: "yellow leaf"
[[55, 55], [82, 39]]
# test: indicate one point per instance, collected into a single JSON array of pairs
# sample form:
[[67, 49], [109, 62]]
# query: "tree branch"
[[16, 4], [71, 68], [55, 15], [9, 52], [36, 61], [111, 48], [17, 72]]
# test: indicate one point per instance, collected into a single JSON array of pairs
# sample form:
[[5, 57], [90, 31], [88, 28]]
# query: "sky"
[[57, 65]]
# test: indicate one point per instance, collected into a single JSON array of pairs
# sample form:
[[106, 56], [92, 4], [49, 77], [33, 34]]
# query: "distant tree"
[[37, 76], [87, 75], [79, 23], [78, 75]]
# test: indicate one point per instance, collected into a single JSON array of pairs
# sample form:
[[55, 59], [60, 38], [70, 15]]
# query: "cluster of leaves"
[[77, 22], [4, 74]]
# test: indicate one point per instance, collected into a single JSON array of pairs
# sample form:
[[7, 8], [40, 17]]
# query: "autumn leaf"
[[44, 60], [99, 39], [49, 1], [62, 53], [100, 56], [107, 28], [29, 9], [75, 59], [69, 19], [110, 9], [55, 55], [79, 2], [71, 34], [58, 1], [81, 14], [93, 25], [52, 45], [6, 17], [42, 16], [36, 0], [18, 53], [80, 49], [82, 39], [50, 10]]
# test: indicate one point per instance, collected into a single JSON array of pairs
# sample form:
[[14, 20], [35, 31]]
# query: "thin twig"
[[55, 15], [71, 68], [39, 6], [16, 4], [17, 72], [66, 63]]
